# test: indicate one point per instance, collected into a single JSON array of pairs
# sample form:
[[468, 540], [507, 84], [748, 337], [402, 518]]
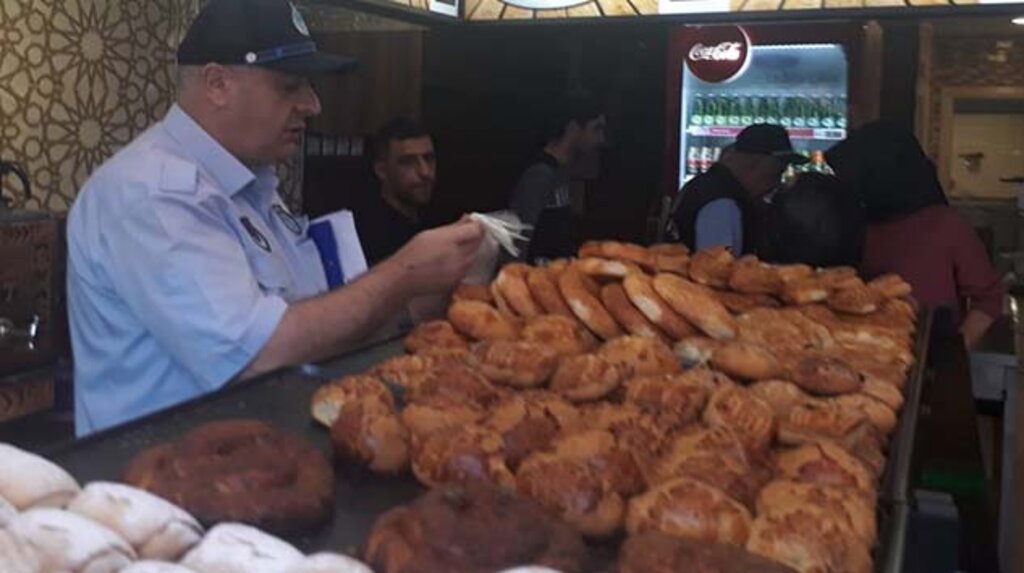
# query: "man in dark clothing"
[[541, 196], [724, 206], [405, 166]]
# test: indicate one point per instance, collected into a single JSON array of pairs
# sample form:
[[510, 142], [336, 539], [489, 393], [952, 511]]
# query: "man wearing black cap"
[[723, 205], [185, 269]]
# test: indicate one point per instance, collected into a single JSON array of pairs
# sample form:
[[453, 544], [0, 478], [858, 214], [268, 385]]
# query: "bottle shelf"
[[819, 133]]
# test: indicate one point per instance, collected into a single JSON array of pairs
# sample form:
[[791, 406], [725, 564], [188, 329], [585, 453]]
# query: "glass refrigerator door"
[[802, 87]]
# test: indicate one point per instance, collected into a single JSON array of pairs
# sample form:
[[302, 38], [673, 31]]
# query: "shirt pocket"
[[271, 273]]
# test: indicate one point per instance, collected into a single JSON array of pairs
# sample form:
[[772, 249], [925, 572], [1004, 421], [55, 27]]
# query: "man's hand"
[[435, 260]]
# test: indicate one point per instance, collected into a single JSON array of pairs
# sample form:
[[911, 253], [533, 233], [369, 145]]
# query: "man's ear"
[[216, 84]]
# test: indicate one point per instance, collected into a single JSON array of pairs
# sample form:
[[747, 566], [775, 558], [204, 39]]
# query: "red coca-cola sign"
[[718, 53]]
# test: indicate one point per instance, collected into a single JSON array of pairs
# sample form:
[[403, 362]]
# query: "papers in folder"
[[338, 243]]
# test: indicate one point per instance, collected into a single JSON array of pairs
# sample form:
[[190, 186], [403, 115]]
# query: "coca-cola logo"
[[726, 51], [718, 53]]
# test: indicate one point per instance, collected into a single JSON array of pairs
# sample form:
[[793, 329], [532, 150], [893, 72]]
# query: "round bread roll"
[[739, 303], [825, 375], [471, 528], [155, 567], [883, 392], [891, 286], [154, 527], [28, 480], [689, 509], [807, 290], [824, 463], [459, 455], [240, 470], [697, 305], [329, 400], [237, 548], [857, 300], [628, 316], [562, 334], [605, 269], [696, 350], [369, 432], [586, 378], [749, 275], [460, 382], [799, 542], [479, 293], [654, 552], [511, 284], [65, 541], [877, 412], [582, 299], [640, 356], [854, 509], [18, 555], [329, 563], [438, 412], [543, 283], [793, 272], [673, 400], [516, 364], [640, 290], [752, 420], [746, 361], [626, 252], [410, 370], [434, 334], [839, 277], [779, 329], [528, 422], [635, 432], [481, 321], [7, 512], [781, 395], [816, 420], [712, 267], [671, 258]]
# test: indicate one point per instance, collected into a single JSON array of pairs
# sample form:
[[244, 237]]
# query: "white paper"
[[350, 249]]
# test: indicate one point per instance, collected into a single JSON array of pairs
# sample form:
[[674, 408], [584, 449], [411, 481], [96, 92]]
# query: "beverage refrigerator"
[[801, 76]]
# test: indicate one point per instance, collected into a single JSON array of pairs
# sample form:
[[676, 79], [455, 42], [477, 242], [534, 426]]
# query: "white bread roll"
[[237, 548], [17, 555], [156, 528], [27, 480], [7, 513], [155, 567], [329, 563], [70, 543]]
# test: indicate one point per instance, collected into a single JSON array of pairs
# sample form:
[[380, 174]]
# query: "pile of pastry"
[[647, 390]]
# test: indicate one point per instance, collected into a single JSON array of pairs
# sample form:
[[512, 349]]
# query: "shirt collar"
[[231, 175]]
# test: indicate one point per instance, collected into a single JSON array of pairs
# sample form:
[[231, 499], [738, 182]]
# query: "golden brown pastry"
[[670, 258], [884, 392], [749, 275], [461, 454], [582, 298], [854, 509], [781, 395], [739, 302], [673, 400], [653, 552], [640, 356], [433, 334], [794, 272], [605, 269], [881, 416], [586, 378], [690, 509], [697, 305], [774, 329], [640, 290], [543, 283], [891, 286], [511, 283], [369, 432], [478, 293], [635, 432], [471, 528], [456, 381], [516, 364], [712, 267], [858, 300], [696, 350], [481, 321], [564, 335], [746, 361], [805, 290], [824, 463], [527, 423], [818, 420], [329, 399], [617, 251], [752, 420], [808, 545], [825, 375], [438, 412], [628, 316]]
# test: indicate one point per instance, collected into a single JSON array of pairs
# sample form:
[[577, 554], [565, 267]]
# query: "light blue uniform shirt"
[[181, 264], [719, 223]]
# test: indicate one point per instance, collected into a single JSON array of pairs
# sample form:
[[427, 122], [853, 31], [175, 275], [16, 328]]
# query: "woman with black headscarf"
[[912, 230]]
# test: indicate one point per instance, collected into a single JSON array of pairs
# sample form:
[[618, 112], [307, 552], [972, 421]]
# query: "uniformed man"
[[185, 269]]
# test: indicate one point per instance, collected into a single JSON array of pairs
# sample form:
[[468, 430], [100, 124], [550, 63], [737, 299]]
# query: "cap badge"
[[300, 23], [251, 58]]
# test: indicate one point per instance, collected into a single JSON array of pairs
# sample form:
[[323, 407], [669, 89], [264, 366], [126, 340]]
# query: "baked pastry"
[[825, 375], [582, 298], [543, 283], [564, 335], [690, 509], [752, 420], [640, 356], [438, 412], [800, 542], [740, 302], [781, 395], [461, 454], [746, 361], [839, 277], [605, 269], [511, 283], [673, 400], [628, 316], [585, 378], [654, 552], [434, 334], [854, 509], [240, 470], [329, 563], [883, 392], [67, 542], [777, 329], [516, 364], [585, 478], [478, 293], [640, 290], [881, 416], [856, 300], [471, 528], [749, 275], [697, 305], [891, 286], [369, 433], [155, 567], [18, 555], [824, 463], [617, 251], [237, 548], [814, 421], [806, 290], [28, 480], [155, 528], [712, 267], [329, 399], [528, 422], [456, 381], [793, 272], [481, 321], [696, 350]]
